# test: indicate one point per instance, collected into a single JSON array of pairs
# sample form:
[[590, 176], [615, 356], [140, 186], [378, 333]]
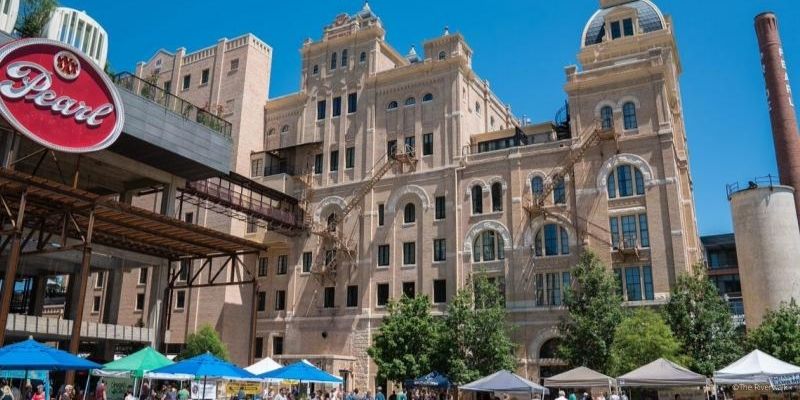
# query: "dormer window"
[[622, 28], [442, 55], [627, 27], [315, 69]]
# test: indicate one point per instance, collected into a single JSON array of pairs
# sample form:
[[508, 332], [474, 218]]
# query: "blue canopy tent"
[[505, 382], [302, 371], [205, 366], [30, 355], [433, 379]]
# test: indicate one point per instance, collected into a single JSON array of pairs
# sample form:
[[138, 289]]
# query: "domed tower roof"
[[650, 19]]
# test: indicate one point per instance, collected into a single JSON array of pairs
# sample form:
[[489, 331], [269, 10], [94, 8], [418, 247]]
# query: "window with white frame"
[[625, 181], [477, 199], [629, 231], [488, 246], [635, 283], [551, 240], [629, 116], [497, 197]]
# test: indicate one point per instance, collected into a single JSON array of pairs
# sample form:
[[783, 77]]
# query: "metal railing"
[[757, 182], [185, 109]]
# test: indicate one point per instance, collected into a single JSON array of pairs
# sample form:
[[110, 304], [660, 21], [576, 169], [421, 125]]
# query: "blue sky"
[[521, 47]]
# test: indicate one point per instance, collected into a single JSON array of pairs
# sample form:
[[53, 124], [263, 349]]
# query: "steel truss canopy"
[[116, 224]]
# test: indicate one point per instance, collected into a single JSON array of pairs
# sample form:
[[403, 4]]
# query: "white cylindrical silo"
[[768, 248]]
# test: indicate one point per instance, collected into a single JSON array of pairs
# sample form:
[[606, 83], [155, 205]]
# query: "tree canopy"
[[206, 339], [33, 16], [640, 338], [595, 310], [779, 333], [405, 345], [700, 318]]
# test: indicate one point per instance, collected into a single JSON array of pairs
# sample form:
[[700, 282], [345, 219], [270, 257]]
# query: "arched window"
[[332, 222], [559, 192], [392, 105], [497, 196], [550, 348], [477, 107], [442, 55], [477, 199], [271, 132], [315, 69], [333, 61], [488, 246], [537, 185], [606, 117], [551, 240], [428, 97], [629, 115], [625, 181], [285, 129], [410, 213], [344, 58], [362, 58], [411, 101]]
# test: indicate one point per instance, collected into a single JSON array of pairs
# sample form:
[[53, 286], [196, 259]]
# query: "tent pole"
[[204, 387], [86, 388]]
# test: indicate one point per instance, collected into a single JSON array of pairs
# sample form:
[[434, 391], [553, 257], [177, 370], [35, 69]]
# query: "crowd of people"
[[355, 394], [8, 391], [585, 396]]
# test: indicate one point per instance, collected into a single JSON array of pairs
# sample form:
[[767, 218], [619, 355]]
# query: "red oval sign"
[[57, 97]]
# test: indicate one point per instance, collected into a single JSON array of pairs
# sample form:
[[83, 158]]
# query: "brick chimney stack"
[[781, 106]]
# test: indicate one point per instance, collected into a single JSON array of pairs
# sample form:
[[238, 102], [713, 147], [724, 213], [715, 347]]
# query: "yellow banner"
[[251, 388]]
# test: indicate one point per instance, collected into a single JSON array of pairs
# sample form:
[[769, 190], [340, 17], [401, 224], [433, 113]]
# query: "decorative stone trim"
[[624, 158], [538, 223], [420, 193], [479, 227], [474, 182], [325, 203], [498, 179]]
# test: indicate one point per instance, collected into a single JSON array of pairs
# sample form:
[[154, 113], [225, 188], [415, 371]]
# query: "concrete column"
[[72, 294], [113, 291], [217, 75], [37, 300]]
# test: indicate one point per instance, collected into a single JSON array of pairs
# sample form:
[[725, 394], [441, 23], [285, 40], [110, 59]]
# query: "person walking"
[[183, 394], [379, 394], [39, 395], [561, 395], [401, 395]]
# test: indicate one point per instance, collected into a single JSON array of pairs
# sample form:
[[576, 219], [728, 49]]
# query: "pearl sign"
[[57, 97]]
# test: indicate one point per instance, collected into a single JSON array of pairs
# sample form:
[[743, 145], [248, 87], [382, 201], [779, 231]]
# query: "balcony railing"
[[157, 94], [762, 181]]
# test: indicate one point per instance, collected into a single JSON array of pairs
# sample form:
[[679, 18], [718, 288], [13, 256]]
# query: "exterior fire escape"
[[336, 246]]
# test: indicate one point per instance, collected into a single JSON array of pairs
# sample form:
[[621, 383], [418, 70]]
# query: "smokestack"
[[781, 107]]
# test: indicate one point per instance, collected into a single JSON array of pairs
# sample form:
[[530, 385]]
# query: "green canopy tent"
[[135, 365]]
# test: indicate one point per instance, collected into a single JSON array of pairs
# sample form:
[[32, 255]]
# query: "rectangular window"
[[183, 270], [261, 301], [647, 281], [439, 291], [551, 239], [180, 299], [560, 192], [628, 223], [263, 266], [251, 224], [337, 106], [538, 287], [613, 224], [283, 264], [409, 289], [553, 289], [566, 283], [318, 164], [256, 167], [410, 144], [616, 33], [329, 297], [644, 232], [383, 294], [280, 300], [409, 253], [439, 250], [352, 103], [96, 304], [383, 255], [391, 148], [618, 279], [142, 276], [139, 306], [187, 81], [349, 157], [380, 215], [352, 296], [168, 86], [204, 76], [307, 261], [624, 181], [627, 27], [633, 284], [234, 65], [277, 345], [440, 207], [321, 105], [427, 144], [259, 347], [99, 279], [188, 217], [334, 160]]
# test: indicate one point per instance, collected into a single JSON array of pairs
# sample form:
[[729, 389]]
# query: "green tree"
[[406, 341], [206, 339], [595, 310], [701, 321], [642, 337], [33, 16], [779, 333], [475, 338]]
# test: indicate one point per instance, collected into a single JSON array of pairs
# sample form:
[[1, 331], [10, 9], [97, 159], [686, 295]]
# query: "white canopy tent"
[[661, 373], [756, 367], [263, 366]]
